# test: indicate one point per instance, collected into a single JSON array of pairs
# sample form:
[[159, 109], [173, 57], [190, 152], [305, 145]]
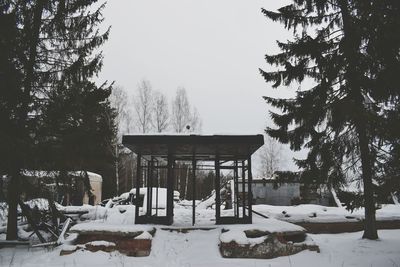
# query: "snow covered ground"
[[299, 213], [206, 216], [317, 213], [200, 248]]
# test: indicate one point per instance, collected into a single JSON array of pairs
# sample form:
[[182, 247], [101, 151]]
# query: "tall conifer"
[[338, 118], [55, 49]]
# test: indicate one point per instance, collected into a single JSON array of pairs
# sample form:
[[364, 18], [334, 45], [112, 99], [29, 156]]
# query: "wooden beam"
[[138, 177], [227, 167]]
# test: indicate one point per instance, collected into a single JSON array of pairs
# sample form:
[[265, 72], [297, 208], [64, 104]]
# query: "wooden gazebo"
[[231, 152]]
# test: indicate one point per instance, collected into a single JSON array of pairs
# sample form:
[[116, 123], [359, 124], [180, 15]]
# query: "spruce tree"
[[383, 20], [337, 120], [53, 48], [12, 136], [78, 132]]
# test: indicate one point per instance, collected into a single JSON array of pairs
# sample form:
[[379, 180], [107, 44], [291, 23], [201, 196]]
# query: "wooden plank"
[[26, 212], [61, 237], [13, 243]]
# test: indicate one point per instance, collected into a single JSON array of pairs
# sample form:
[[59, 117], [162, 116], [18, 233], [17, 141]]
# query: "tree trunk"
[[352, 41], [12, 196], [370, 231]]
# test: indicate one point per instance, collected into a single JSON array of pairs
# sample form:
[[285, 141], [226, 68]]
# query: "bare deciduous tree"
[[183, 118], [195, 121], [143, 105], [270, 156], [180, 111], [161, 113], [119, 101]]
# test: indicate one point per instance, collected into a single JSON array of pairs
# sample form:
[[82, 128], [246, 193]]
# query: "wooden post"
[[194, 189], [170, 189], [217, 191], [149, 178], [157, 187], [244, 188], [116, 168], [235, 188], [138, 177], [249, 184]]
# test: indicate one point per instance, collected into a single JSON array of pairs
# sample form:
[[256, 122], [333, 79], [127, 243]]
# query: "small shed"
[[216, 152], [96, 182]]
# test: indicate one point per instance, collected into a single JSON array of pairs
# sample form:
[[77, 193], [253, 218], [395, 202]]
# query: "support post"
[[116, 168], [217, 191], [149, 178], [157, 186], [170, 189], [194, 189], [235, 188], [138, 177], [244, 188], [249, 193]]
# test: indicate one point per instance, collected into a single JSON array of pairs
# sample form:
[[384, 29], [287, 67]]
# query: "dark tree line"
[[52, 115], [348, 121]]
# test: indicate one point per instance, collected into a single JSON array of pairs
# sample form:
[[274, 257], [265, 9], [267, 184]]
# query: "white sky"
[[211, 47]]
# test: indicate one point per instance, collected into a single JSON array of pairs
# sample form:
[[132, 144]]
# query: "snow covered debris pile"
[[69, 249], [252, 234], [131, 240], [114, 229], [268, 240], [93, 246]]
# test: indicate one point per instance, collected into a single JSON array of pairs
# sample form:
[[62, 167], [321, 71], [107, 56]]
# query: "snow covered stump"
[[264, 241], [131, 240]]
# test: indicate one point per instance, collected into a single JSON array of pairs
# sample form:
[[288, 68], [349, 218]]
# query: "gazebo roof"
[[202, 147]]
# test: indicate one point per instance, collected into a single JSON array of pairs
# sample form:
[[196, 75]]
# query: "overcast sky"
[[213, 48]]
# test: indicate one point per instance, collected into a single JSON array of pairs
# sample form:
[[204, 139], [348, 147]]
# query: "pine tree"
[[337, 119]]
